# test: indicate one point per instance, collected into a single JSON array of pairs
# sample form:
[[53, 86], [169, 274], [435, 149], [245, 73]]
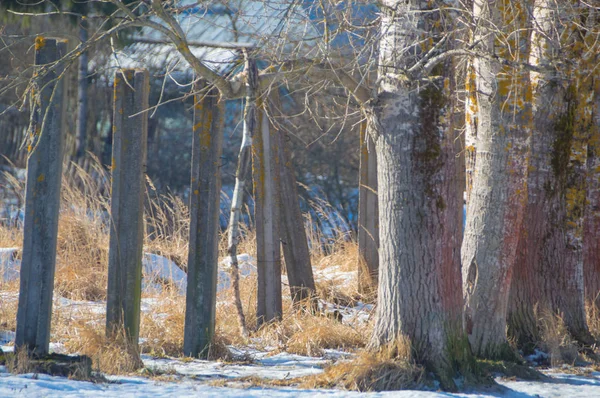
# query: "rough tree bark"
[[498, 196], [470, 127], [591, 254], [420, 203], [548, 278]]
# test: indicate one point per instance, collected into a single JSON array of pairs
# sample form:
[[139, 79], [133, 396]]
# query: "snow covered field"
[[193, 379], [175, 377]]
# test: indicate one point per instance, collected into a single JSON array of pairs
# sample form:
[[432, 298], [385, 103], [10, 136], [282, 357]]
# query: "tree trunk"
[[549, 270], [470, 127], [591, 254], [241, 175], [498, 196], [419, 200], [591, 247]]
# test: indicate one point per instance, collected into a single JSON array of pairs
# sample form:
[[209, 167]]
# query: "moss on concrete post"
[[130, 130], [42, 199], [205, 193]]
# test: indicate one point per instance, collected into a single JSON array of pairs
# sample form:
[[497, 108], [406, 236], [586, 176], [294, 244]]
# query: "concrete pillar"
[[131, 88], [368, 216], [205, 193], [265, 169], [42, 201]]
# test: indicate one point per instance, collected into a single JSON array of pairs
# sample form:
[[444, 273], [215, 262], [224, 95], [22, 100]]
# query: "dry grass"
[[81, 274], [389, 369], [593, 319], [113, 356], [556, 340], [305, 334], [19, 362]]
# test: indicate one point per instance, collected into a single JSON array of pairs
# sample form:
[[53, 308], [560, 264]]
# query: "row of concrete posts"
[[130, 126]]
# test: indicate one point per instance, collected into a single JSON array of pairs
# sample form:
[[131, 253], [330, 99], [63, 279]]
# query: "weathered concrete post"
[[265, 170], [42, 201], [131, 88], [205, 193], [368, 216], [294, 241]]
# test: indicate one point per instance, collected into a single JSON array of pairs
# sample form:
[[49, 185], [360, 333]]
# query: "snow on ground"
[[9, 264], [191, 379], [156, 270]]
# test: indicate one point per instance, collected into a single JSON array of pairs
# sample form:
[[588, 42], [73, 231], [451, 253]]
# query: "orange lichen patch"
[[40, 42], [205, 134]]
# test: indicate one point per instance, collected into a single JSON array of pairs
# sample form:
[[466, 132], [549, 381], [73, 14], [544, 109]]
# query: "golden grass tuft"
[[388, 369], [556, 340], [109, 355], [313, 334], [19, 362], [593, 319]]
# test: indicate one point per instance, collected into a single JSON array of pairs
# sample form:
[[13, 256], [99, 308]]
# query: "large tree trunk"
[[549, 270], [591, 247], [419, 199], [498, 195]]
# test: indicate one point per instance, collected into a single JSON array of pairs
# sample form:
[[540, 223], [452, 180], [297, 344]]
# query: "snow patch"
[[9, 264]]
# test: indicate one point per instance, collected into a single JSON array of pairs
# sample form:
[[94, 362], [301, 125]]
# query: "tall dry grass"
[[82, 269]]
